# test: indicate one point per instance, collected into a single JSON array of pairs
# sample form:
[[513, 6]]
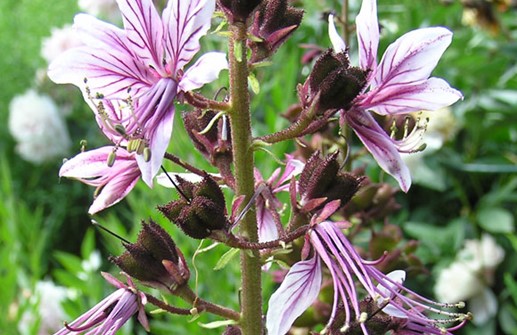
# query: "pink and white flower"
[[330, 247], [400, 83], [142, 65], [109, 315], [267, 205]]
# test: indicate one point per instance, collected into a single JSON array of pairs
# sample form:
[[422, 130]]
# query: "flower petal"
[[144, 31], [204, 71], [380, 146], [296, 293], [105, 61], [184, 23], [337, 42], [88, 164], [412, 57], [159, 141], [430, 94], [266, 223], [368, 35], [107, 71], [116, 189]]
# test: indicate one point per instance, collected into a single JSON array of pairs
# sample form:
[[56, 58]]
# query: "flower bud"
[[321, 178], [337, 83], [274, 22], [238, 10], [202, 213], [212, 140], [144, 260]]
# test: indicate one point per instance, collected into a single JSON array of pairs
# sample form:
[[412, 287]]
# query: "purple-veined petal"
[[380, 145], [115, 190], [88, 164], [412, 57], [293, 168], [368, 35], [337, 42], [144, 31], [108, 71], [296, 293], [204, 71], [184, 23], [155, 113], [266, 223], [431, 94], [112, 280], [159, 142]]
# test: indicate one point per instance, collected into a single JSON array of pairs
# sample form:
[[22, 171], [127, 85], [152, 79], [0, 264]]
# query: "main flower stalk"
[[240, 120]]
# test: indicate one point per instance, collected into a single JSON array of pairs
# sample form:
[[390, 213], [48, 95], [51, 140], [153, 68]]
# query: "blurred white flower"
[[38, 127], [47, 298], [104, 8], [60, 40], [470, 276]]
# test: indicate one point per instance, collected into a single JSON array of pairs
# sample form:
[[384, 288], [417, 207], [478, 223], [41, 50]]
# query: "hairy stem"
[[240, 121]]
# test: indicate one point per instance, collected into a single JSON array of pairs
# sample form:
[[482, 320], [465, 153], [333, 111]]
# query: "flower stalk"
[[240, 122]]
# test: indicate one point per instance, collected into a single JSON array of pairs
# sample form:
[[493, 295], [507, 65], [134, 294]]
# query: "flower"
[[470, 276], [402, 308], [142, 65], [113, 182], [399, 84], [48, 298], [267, 204], [60, 40], [37, 126], [109, 315]]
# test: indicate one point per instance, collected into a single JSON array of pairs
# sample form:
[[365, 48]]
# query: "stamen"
[[111, 157], [83, 144]]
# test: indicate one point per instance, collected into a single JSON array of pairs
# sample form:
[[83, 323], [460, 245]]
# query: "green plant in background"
[[463, 188]]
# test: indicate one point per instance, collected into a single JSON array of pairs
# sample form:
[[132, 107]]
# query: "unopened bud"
[[238, 10], [274, 22], [202, 213], [335, 81], [321, 178], [144, 260]]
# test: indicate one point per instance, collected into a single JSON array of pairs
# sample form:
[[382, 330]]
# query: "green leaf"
[[253, 82], [226, 258], [238, 51], [496, 220], [217, 324]]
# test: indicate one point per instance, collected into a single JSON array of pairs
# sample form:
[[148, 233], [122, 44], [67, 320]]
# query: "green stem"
[[240, 121]]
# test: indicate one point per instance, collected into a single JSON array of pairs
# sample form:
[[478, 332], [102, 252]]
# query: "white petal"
[[368, 35], [184, 23], [204, 71], [296, 293], [380, 145], [337, 42], [144, 30], [412, 57], [430, 95]]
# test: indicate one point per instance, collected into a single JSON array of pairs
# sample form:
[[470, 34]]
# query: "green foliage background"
[[44, 228]]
